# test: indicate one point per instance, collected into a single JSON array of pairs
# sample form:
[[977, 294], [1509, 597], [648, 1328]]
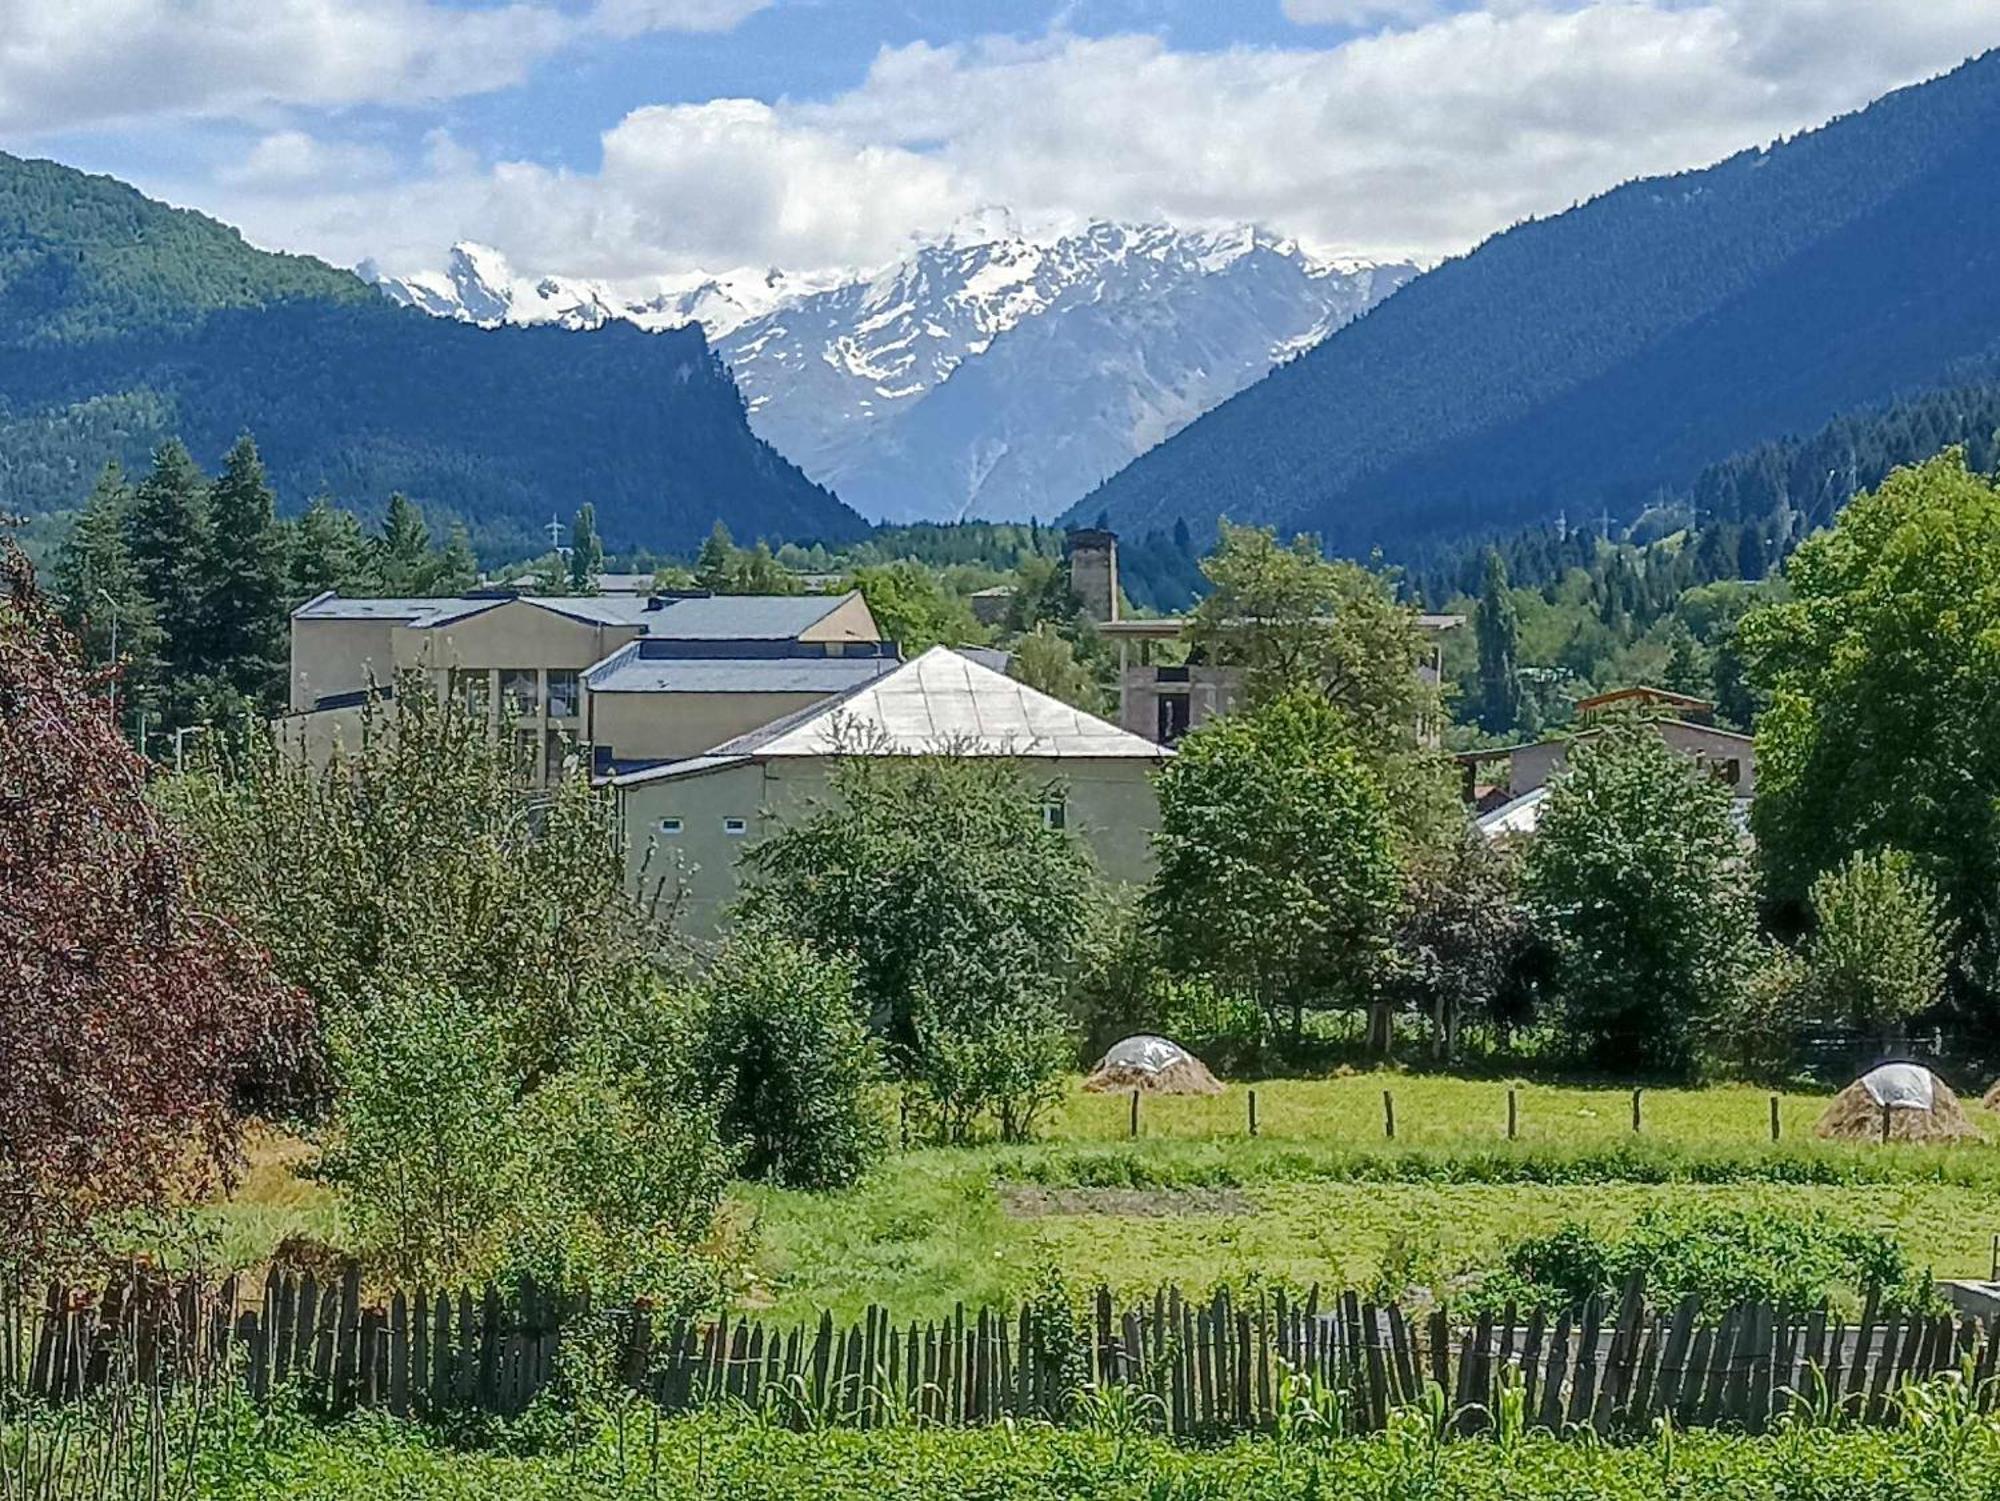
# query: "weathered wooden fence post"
[[1513, 1113], [1253, 1112], [1638, 1118], [1388, 1115], [1774, 1117], [1135, 1113]]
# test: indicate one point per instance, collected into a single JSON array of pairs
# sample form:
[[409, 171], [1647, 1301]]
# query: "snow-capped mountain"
[[988, 374]]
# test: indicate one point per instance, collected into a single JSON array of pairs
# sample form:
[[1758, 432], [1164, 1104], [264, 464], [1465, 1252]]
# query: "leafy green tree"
[[1288, 618], [244, 580], [965, 913], [402, 555], [1884, 674], [329, 551], [491, 1000], [104, 603], [1878, 949], [1459, 932], [1275, 872], [586, 551], [1636, 878], [780, 1041], [914, 609], [1498, 626], [1048, 663]]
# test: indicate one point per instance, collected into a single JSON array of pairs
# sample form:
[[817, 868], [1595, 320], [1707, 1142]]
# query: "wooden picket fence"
[[1190, 1368]]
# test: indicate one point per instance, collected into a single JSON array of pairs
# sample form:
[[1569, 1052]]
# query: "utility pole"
[[101, 594], [180, 745]]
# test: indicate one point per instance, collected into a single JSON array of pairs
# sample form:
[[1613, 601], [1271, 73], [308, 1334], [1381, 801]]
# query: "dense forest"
[[124, 322], [1599, 358]]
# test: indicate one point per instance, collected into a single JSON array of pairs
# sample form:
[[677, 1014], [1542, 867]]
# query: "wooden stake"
[[1774, 1117], [1135, 1112], [1513, 1114], [1253, 1112], [1885, 1125], [1638, 1118], [1388, 1115]]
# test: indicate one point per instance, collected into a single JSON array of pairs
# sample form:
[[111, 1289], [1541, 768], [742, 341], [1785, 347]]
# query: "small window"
[[565, 695], [520, 691], [670, 826], [1055, 814], [473, 688], [735, 828]]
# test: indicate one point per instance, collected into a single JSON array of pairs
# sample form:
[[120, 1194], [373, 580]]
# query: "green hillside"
[[124, 322], [1598, 358]]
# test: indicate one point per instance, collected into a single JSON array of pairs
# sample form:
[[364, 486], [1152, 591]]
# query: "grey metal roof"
[[627, 671], [331, 606], [741, 617]]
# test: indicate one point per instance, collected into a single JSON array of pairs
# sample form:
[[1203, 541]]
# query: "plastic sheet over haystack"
[[1153, 1064], [1902, 1101]]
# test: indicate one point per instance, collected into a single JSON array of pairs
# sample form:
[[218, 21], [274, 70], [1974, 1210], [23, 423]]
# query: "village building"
[[687, 822], [1506, 784], [637, 679]]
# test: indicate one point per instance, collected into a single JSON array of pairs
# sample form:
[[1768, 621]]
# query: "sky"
[[638, 140]]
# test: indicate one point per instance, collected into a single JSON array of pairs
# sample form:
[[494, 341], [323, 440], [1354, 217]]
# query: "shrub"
[[1759, 1037], [1722, 1257], [781, 1046]]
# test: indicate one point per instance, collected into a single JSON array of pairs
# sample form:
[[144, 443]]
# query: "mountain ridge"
[[1475, 363], [987, 373]]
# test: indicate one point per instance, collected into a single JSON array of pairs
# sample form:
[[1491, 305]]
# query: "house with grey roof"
[[638, 679], [687, 822]]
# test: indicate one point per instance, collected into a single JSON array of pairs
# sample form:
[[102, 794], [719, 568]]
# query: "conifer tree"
[[103, 602], [244, 583], [402, 551], [328, 552], [716, 561], [1499, 630], [170, 537], [457, 566], [586, 551]]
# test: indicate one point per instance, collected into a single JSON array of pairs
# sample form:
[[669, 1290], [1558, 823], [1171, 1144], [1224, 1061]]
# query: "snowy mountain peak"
[[985, 372]]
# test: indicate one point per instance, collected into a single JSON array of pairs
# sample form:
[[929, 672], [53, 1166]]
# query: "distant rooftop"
[[721, 617], [630, 671]]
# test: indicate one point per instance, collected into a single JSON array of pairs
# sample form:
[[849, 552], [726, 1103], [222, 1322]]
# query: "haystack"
[[1152, 1064], [1991, 1099], [1920, 1107]]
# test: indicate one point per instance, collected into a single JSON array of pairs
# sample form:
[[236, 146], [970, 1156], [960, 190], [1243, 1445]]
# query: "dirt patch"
[[1026, 1202]]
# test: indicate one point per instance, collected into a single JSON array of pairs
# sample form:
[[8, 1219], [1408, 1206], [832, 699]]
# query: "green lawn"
[[930, 1227], [1320, 1195]]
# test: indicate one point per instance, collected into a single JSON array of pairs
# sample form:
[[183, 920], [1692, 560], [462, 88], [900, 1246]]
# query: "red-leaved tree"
[[128, 1017]]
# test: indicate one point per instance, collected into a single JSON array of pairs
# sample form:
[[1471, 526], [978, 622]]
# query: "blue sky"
[[645, 140]]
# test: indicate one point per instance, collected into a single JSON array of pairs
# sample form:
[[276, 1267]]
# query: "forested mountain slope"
[[1594, 359], [123, 321]]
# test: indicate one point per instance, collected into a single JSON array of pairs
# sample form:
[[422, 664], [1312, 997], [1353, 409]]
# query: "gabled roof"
[[940, 703]]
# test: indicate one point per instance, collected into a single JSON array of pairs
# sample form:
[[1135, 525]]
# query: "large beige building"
[[637, 679], [687, 823]]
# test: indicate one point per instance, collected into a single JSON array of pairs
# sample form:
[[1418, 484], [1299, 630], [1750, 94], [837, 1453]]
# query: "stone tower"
[[1093, 572]]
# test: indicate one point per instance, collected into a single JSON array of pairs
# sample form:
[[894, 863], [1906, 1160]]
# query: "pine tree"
[[716, 561], [103, 601], [169, 537], [1498, 627], [458, 566], [586, 551], [402, 551], [328, 552], [244, 583]]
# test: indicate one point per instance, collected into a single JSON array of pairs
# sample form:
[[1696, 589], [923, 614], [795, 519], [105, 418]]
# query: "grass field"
[[1320, 1195]]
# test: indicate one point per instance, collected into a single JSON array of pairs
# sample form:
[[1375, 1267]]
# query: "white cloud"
[[290, 159], [1358, 12], [66, 64], [1419, 140]]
